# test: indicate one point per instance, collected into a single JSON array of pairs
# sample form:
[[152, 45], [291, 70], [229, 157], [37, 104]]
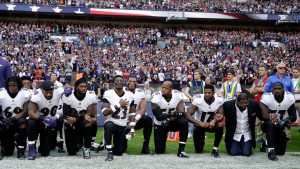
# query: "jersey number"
[[115, 115], [9, 113], [45, 111]]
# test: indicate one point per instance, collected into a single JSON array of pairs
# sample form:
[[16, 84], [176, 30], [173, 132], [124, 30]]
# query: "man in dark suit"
[[240, 115]]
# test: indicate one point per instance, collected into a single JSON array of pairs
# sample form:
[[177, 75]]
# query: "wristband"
[[137, 117], [131, 114], [132, 124], [103, 109], [132, 130]]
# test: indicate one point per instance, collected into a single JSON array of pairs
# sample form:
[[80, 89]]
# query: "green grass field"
[[135, 145]]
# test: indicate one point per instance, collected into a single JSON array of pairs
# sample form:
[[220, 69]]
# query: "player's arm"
[[23, 113], [132, 114], [187, 94], [189, 115], [219, 114], [158, 113], [292, 113], [265, 113], [91, 115], [32, 111], [142, 109], [107, 109]]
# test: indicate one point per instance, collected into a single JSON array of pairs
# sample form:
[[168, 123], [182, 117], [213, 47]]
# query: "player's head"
[[81, 86], [209, 91], [53, 77], [166, 88], [26, 82], [119, 82], [13, 85], [47, 89], [132, 83], [242, 101], [277, 89]]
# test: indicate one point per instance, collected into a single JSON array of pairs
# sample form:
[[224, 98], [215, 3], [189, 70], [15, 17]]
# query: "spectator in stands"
[[282, 77]]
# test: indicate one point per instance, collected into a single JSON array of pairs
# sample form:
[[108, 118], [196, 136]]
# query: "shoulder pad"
[[91, 92], [155, 93], [1, 89], [35, 99], [140, 90], [197, 96], [176, 91]]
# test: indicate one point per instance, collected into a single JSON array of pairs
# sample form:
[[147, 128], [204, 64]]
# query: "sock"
[[269, 149], [215, 148]]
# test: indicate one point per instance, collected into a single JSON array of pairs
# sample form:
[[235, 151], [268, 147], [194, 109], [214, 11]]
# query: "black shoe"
[[182, 155], [272, 155], [263, 147], [86, 153], [145, 151], [215, 153], [199, 151], [21, 153], [101, 147], [109, 156]]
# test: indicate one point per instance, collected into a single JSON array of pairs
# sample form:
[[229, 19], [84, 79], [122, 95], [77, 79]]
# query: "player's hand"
[[88, 118], [70, 120], [123, 103], [165, 122], [273, 118], [212, 124], [130, 135], [219, 117]]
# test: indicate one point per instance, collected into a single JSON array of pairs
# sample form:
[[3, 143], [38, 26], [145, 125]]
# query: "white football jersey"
[[167, 107], [121, 118], [13, 106], [80, 106], [280, 108], [47, 108], [205, 111]]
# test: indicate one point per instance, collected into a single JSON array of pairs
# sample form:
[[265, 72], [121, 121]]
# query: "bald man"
[[168, 109]]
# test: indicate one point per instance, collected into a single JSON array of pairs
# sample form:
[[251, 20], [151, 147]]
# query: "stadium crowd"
[[229, 6], [150, 53]]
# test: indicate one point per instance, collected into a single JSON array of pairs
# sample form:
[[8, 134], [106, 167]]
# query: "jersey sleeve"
[[93, 97], [196, 100], [35, 98], [141, 93], [27, 94], [2, 91], [265, 99], [107, 94], [156, 97]]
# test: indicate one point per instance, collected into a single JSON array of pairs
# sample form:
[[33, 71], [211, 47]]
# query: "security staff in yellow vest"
[[231, 88]]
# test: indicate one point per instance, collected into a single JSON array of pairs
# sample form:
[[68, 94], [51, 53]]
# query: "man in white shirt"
[[240, 115]]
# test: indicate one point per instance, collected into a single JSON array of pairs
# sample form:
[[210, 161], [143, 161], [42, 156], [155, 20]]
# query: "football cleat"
[[86, 153], [31, 152], [145, 151], [182, 155], [21, 153], [109, 156], [215, 153], [272, 155]]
